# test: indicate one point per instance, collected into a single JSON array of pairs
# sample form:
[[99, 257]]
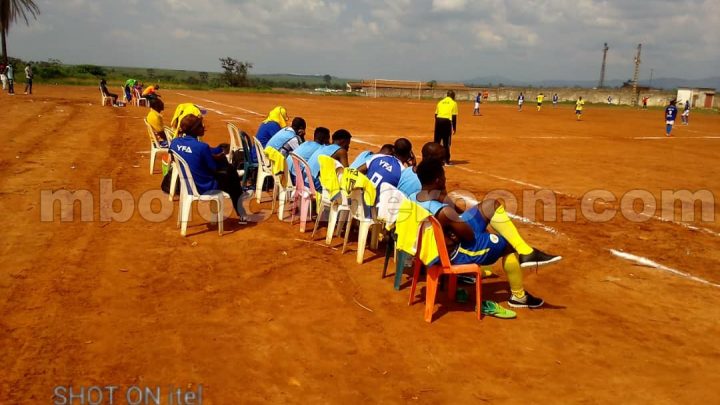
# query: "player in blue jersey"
[[478, 100], [670, 114]]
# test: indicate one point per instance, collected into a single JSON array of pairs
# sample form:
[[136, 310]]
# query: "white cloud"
[[448, 5]]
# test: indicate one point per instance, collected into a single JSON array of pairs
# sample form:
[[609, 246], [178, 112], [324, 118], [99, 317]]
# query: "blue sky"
[[398, 39]]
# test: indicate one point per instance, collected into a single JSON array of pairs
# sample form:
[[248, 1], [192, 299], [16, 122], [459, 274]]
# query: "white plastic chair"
[[105, 99], [388, 208], [358, 213], [139, 99], [189, 193], [264, 171], [235, 144], [170, 134], [303, 195], [155, 147], [336, 207]]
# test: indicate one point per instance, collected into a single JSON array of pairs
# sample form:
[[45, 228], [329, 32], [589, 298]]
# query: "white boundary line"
[[644, 261], [645, 138], [224, 105]]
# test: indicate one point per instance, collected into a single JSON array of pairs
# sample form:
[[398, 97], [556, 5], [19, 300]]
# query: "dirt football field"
[[266, 314]]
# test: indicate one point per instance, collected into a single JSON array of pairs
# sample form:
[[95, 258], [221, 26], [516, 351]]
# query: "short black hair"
[[341, 134], [403, 148], [298, 123], [322, 135], [429, 170], [431, 149], [156, 103], [387, 149]]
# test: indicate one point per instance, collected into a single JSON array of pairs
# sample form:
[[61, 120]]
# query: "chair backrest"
[[151, 134], [389, 203], [235, 142], [185, 175], [439, 238], [300, 165], [329, 178], [169, 133], [262, 158], [245, 140]]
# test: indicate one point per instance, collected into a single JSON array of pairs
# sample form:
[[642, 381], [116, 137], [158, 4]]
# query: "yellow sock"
[[511, 265], [501, 223]]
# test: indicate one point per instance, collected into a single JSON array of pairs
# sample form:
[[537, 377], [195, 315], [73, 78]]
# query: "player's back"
[[384, 169]]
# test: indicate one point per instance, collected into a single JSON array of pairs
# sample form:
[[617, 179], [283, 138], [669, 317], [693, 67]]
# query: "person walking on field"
[[685, 117], [28, 79], [555, 99], [521, 100], [670, 114], [540, 98], [579, 107], [11, 79], [446, 122], [478, 100], [3, 77]]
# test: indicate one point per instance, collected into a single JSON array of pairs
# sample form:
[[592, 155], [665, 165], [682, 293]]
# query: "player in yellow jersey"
[[579, 107], [540, 98], [446, 122]]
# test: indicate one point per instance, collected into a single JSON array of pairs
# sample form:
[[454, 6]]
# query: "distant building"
[[699, 97]]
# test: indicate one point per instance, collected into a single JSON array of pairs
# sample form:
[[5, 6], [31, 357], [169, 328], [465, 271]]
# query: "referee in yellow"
[[446, 122]]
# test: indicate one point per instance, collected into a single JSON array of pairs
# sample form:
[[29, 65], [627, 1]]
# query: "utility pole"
[[602, 69], [636, 75], [651, 75]]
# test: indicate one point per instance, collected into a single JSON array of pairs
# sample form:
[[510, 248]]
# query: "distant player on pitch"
[[446, 122], [555, 100], [670, 114], [579, 107], [478, 100], [685, 117], [521, 100], [540, 98]]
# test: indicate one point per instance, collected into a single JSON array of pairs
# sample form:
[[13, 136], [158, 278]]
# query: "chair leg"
[[220, 215], [342, 220], [153, 151], [281, 203], [389, 248], [416, 276], [362, 240], [431, 286], [186, 208], [173, 183], [332, 223], [259, 186], [306, 210], [400, 268], [374, 235], [320, 213], [348, 226]]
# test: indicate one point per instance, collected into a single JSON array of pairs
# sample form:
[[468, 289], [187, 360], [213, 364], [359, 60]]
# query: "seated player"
[[409, 183], [155, 119], [337, 150], [465, 226], [209, 167], [361, 159], [386, 166], [276, 120], [106, 92], [289, 138], [151, 92], [307, 148]]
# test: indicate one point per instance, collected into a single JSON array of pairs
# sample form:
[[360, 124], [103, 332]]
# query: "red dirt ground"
[[260, 315]]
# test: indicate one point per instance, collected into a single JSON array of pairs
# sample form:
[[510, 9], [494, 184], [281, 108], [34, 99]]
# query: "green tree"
[[150, 73], [235, 72], [327, 79], [204, 77], [10, 10]]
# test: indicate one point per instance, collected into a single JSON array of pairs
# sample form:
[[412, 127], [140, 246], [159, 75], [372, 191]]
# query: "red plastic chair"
[[444, 267], [304, 193]]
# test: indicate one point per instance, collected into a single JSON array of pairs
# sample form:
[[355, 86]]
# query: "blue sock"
[[668, 128]]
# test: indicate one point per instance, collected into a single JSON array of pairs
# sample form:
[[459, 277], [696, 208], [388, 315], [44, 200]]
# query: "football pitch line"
[[615, 252]]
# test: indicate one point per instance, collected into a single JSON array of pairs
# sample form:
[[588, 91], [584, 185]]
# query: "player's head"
[[431, 175], [673, 102], [322, 135], [157, 104], [451, 94], [387, 149], [342, 137], [433, 151], [298, 125], [192, 125], [580, 98], [403, 150]]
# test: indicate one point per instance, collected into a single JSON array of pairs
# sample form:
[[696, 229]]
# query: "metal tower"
[[602, 69], [635, 76]]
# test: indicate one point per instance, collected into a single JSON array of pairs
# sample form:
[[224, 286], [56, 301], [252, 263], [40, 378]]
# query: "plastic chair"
[[249, 164], [139, 99], [189, 193], [124, 95], [105, 99], [388, 208], [155, 147], [304, 193], [235, 144], [331, 199], [264, 170], [362, 213], [443, 267]]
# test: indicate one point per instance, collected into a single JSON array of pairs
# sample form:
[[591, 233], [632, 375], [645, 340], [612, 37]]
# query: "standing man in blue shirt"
[[670, 114], [555, 100], [478, 100]]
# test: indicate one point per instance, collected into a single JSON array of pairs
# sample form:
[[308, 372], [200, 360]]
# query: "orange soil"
[[261, 315]]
